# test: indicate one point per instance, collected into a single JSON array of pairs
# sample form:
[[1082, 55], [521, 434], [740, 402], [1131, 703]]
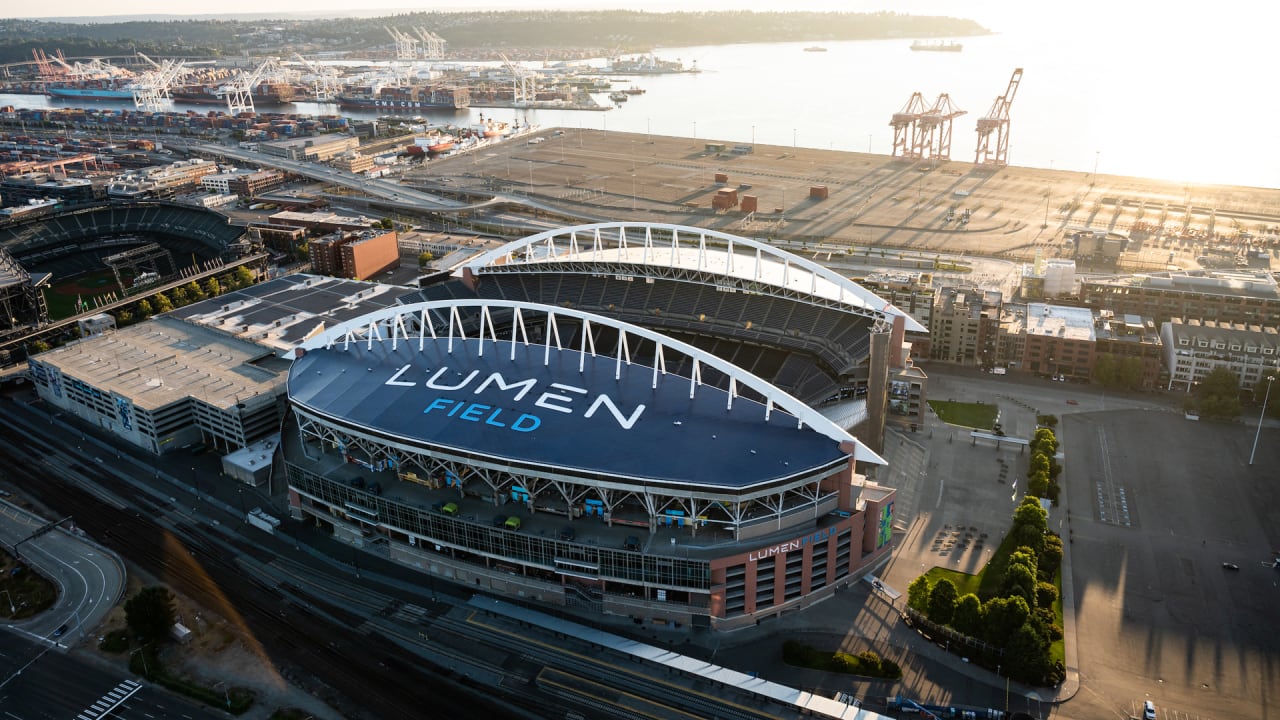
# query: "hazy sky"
[[94, 8]]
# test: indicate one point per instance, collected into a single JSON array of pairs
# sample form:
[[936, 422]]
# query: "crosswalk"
[[110, 701]]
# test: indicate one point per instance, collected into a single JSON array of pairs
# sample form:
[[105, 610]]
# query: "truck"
[[261, 520]]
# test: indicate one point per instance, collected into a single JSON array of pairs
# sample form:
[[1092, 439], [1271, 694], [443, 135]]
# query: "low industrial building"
[[164, 383], [312, 149]]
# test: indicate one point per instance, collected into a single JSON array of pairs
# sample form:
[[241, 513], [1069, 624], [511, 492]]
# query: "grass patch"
[[29, 592], [964, 582], [980, 416], [116, 641], [146, 663], [866, 663]]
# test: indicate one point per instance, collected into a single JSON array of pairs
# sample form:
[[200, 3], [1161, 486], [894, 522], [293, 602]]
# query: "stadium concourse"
[[538, 426]]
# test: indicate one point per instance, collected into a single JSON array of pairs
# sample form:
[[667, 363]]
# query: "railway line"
[[361, 675]]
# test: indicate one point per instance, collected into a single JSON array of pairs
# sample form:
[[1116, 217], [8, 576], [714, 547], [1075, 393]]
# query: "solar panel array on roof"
[[281, 312]]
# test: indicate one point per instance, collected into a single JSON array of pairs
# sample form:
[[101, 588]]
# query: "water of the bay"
[[1128, 91]]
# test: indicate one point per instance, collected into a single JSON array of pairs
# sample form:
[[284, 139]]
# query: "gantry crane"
[[524, 83], [903, 124], [996, 122], [151, 88], [932, 140], [239, 93], [406, 45], [325, 81], [432, 44]]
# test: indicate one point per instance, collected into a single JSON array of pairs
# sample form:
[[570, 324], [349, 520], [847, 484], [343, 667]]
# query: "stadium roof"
[[751, 264], [410, 375]]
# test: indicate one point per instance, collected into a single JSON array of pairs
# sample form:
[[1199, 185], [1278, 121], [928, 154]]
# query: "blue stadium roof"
[[561, 409]]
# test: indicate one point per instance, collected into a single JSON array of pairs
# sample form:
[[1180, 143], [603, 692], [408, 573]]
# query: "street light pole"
[[12, 610], [1263, 413]]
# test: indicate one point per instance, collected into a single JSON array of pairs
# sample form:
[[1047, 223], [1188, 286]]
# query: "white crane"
[[239, 93], [151, 88], [406, 45], [432, 44], [325, 82], [524, 83]]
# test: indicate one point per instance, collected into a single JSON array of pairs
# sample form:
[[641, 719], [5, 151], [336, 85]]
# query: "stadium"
[[86, 259], [617, 418]]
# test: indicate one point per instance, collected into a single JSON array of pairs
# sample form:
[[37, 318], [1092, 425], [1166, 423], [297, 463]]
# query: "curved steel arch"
[[543, 247], [419, 321]]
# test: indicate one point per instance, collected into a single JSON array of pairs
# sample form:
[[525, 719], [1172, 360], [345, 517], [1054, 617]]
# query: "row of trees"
[[1118, 372], [1043, 469], [1021, 616], [192, 292], [1217, 397]]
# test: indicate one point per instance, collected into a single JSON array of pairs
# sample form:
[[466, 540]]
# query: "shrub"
[[116, 641]]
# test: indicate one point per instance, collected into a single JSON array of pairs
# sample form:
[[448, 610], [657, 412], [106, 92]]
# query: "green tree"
[[1025, 654], [150, 613], [1038, 485], [180, 296], [243, 277], [968, 615], [39, 346], [1046, 594], [918, 593], [1020, 582], [144, 308], [1045, 441], [163, 304], [425, 259], [194, 291], [1105, 372], [1002, 616], [942, 601], [1131, 373], [212, 287], [1050, 557], [1218, 395]]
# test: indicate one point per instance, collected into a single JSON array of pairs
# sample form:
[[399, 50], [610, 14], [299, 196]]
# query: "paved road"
[[90, 578]]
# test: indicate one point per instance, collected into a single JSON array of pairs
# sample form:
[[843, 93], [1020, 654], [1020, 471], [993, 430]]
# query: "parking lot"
[[1157, 504]]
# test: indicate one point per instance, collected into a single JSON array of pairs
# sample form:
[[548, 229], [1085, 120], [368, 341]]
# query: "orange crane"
[[996, 122], [932, 140], [903, 124]]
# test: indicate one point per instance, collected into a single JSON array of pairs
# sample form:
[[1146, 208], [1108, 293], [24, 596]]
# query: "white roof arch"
[[693, 251], [441, 321]]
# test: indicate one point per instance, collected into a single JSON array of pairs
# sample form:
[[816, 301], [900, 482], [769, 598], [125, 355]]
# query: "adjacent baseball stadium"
[[621, 418]]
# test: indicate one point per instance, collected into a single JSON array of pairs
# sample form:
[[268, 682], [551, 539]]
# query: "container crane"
[[524, 83], [996, 122], [903, 124], [325, 83], [432, 44], [932, 139], [406, 45], [151, 89], [239, 93]]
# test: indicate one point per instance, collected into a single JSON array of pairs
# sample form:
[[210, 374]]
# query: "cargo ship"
[[645, 65], [265, 94], [409, 99], [94, 90], [491, 128], [937, 46]]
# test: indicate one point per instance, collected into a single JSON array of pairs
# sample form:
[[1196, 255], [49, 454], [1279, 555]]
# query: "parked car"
[[567, 533], [1230, 566], [1148, 710], [512, 523]]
